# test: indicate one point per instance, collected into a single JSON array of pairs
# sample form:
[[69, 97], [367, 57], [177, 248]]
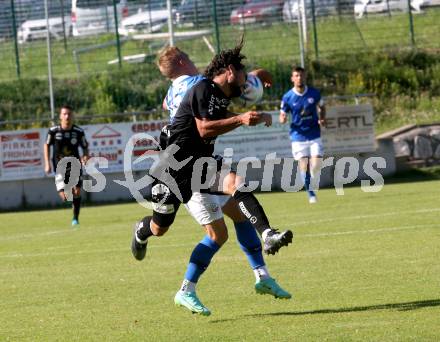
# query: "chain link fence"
[[95, 35], [89, 37]]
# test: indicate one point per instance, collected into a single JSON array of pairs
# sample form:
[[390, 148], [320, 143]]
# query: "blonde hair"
[[168, 61]]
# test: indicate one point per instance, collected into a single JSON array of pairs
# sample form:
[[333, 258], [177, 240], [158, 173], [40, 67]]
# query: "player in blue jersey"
[[207, 209], [306, 109]]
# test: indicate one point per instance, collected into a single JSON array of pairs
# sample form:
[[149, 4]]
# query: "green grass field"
[[363, 267]]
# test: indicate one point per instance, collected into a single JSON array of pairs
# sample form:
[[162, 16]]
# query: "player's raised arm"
[[264, 76]]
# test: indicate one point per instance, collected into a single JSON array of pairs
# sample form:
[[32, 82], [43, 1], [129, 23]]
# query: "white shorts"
[[310, 148], [206, 208]]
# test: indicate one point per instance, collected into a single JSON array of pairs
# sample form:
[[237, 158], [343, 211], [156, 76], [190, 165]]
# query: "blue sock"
[[200, 258], [306, 177], [250, 243]]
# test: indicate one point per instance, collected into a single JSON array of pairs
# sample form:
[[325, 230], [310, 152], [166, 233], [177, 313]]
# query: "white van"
[[91, 17], [362, 7], [149, 19]]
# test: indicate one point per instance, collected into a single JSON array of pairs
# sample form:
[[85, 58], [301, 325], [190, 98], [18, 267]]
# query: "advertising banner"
[[21, 155], [257, 141], [349, 130], [107, 141]]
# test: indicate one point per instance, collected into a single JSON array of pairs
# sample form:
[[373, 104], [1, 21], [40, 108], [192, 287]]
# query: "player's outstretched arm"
[[264, 76], [266, 118], [212, 128]]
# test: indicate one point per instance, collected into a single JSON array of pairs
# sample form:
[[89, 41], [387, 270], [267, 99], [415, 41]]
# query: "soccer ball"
[[253, 91]]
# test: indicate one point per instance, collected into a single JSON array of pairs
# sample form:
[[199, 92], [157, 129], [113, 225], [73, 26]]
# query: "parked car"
[[429, 3], [35, 27], [150, 18], [362, 7], [257, 11], [193, 12], [95, 16], [322, 8], [21, 7]]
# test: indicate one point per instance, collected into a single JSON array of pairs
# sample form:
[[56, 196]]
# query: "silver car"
[[149, 19], [292, 8], [90, 17]]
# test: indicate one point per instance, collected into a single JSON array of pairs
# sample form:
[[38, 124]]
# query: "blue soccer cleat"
[[190, 301], [270, 286], [75, 222]]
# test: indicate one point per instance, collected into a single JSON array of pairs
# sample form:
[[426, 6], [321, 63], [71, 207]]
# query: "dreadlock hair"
[[225, 58]]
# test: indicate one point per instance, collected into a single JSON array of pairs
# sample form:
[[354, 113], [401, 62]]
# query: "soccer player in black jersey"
[[66, 138], [201, 117]]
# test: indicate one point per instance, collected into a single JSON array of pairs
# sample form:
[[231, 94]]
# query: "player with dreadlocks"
[[200, 118]]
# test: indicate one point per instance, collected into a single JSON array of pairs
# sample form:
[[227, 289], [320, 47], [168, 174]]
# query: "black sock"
[[76, 204], [252, 210], [145, 232]]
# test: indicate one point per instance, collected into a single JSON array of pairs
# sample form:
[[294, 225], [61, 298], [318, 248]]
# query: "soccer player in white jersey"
[[207, 209], [307, 115]]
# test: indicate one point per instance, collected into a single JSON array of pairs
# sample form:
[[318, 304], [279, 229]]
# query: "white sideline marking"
[[29, 236], [379, 230], [99, 251], [356, 217]]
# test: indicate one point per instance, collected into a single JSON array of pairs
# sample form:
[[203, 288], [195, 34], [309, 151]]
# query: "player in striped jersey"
[[65, 140]]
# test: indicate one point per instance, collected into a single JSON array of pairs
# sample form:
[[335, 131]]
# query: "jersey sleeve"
[[284, 106], [201, 101], [83, 141], [50, 139]]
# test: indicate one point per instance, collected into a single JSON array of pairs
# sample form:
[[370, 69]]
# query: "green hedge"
[[406, 84]]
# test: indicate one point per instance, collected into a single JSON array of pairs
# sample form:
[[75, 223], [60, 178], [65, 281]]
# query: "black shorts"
[[164, 196]]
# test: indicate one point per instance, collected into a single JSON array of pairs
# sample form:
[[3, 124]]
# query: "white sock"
[[261, 273], [264, 235], [188, 286]]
